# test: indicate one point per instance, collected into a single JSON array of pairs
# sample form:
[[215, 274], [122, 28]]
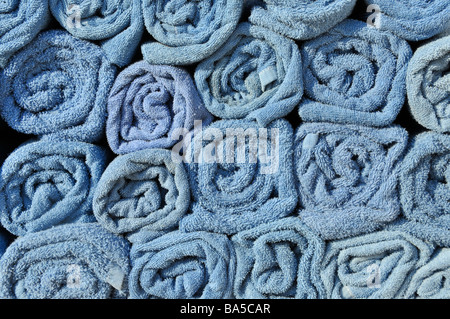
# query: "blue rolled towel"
[[256, 74], [413, 20], [187, 32], [118, 24], [177, 265], [77, 261], [57, 86], [46, 184], [301, 19], [20, 22], [279, 260], [424, 178], [148, 104], [241, 175], [428, 85], [142, 191], [378, 265], [354, 74], [348, 176]]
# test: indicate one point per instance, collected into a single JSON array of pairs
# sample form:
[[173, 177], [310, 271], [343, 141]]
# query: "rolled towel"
[[354, 74], [239, 185], [148, 104], [348, 176], [424, 178], [118, 24], [256, 74], [78, 261], [142, 191], [413, 20], [279, 260], [428, 85], [177, 265], [373, 266], [46, 184], [57, 86], [301, 20], [20, 22], [187, 32]]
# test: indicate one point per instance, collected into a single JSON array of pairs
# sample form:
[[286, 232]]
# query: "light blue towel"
[[348, 176], [241, 175], [424, 188], [78, 261], [279, 260], [428, 85], [378, 265], [118, 24], [301, 19], [187, 32], [413, 20], [256, 74], [197, 265], [46, 184], [142, 191], [148, 104], [354, 74], [20, 22], [57, 86]]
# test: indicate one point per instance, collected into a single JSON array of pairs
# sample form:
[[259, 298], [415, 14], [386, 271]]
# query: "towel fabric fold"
[[241, 175], [256, 74], [148, 103], [373, 266], [428, 85], [186, 32], [46, 184], [142, 191], [278, 260], [348, 176], [20, 22], [197, 265], [57, 86], [77, 261], [354, 74], [413, 20], [117, 24], [301, 20]]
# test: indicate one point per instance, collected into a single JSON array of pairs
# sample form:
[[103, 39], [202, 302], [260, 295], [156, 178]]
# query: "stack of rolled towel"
[[225, 149]]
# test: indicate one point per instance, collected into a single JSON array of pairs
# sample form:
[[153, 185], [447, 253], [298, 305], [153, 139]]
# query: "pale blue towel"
[[348, 177], [256, 74], [46, 184], [57, 86], [354, 74]]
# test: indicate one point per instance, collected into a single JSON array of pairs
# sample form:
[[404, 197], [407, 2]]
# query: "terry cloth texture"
[[46, 184], [378, 265], [148, 104], [177, 265], [241, 175], [117, 24], [20, 22], [279, 260], [142, 191], [413, 20], [301, 19], [256, 74], [424, 188], [354, 74], [57, 86], [428, 85], [348, 176], [186, 32], [77, 261]]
